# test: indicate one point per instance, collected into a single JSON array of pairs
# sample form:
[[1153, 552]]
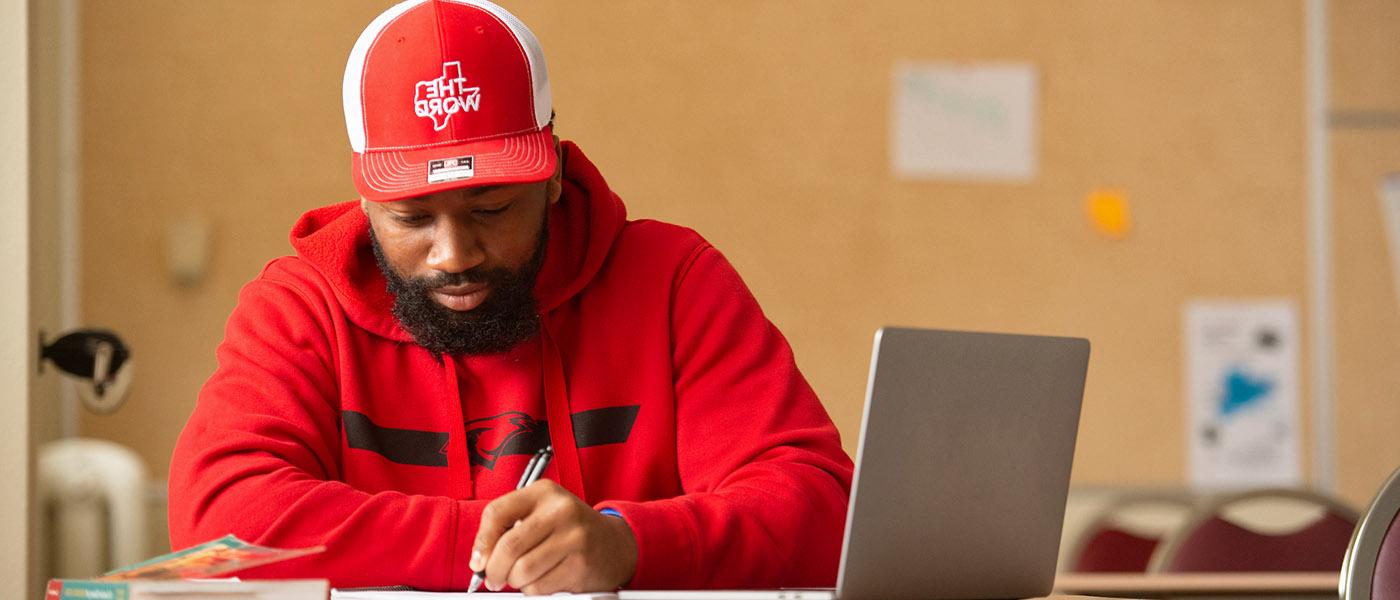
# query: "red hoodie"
[[666, 394]]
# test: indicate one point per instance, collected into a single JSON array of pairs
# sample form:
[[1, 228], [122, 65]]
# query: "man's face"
[[462, 264]]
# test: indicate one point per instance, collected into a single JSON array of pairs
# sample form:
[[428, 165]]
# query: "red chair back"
[[1115, 551], [1125, 533], [1212, 543], [1219, 545]]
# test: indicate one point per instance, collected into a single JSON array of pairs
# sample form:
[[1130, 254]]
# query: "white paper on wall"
[[1242, 394], [965, 121]]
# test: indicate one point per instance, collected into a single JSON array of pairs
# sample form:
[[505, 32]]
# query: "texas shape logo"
[[439, 99]]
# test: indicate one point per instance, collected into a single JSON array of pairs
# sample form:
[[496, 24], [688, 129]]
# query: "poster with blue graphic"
[[1242, 394]]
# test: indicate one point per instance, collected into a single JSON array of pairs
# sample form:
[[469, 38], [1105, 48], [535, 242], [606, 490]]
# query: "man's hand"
[[543, 539]]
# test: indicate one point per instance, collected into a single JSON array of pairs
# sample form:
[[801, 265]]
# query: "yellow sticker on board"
[[1109, 213]]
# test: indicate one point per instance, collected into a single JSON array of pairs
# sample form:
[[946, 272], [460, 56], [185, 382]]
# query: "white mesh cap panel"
[[539, 74]]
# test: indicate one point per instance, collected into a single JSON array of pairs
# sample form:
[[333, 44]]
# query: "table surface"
[[1306, 583]]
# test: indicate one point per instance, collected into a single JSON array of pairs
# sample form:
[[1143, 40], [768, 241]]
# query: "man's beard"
[[508, 316]]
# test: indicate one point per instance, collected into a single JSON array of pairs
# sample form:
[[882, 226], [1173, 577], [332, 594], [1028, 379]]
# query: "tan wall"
[[1366, 77], [228, 110], [764, 126]]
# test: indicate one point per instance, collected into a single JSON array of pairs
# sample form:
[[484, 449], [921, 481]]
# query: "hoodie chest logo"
[[516, 433], [506, 434]]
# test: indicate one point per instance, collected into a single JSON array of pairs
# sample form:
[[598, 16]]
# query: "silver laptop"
[[962, 470]]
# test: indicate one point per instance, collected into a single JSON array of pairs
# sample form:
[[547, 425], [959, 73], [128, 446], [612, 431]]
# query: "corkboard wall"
[[763, 125], [1365, 78]]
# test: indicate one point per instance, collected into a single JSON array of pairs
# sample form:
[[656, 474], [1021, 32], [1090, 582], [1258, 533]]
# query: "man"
[[381, 391]]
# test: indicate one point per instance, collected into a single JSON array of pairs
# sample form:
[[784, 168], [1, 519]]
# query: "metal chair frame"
[[1359, 565]]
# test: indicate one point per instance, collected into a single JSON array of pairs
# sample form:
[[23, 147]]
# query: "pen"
[[533, 470]]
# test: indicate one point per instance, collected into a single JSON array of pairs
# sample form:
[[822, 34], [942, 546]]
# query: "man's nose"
[[455, 248]]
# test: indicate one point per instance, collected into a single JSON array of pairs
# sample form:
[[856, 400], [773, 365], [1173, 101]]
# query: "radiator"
[[93, 495]]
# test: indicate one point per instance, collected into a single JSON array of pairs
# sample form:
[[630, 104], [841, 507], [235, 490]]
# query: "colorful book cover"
[[210, 559]]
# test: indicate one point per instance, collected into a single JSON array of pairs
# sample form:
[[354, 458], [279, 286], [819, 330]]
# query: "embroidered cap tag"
[[451, 169]]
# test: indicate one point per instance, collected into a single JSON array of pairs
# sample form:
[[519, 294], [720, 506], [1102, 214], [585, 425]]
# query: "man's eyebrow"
[[486, 189], [474, 191]]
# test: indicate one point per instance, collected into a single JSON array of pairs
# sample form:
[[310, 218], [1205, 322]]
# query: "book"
[[210, 559], [185, 589], [187, 573]]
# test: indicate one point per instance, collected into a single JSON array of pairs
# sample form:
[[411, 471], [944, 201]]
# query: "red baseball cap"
[[444, 94]]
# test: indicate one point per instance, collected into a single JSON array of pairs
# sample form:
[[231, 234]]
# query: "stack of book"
[[176, 589], [192, 573]]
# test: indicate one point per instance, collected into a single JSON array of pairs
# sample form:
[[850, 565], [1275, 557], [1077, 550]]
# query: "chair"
[[1124, 535], [1212, 542], [1371, 569]]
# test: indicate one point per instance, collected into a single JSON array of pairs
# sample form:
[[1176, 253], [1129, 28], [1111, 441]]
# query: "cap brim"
[[388, 175]]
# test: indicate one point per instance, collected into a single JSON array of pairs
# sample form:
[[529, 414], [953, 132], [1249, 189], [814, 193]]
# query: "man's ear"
[[554, 186], [364, 206]]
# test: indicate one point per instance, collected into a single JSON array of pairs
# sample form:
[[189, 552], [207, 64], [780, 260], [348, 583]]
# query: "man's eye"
[[492, 211], [411, 219]]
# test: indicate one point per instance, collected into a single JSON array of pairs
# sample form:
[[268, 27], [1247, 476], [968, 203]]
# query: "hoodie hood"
[[583, 225]]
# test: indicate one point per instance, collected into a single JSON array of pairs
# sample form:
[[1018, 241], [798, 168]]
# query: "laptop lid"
[[963, 465]]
